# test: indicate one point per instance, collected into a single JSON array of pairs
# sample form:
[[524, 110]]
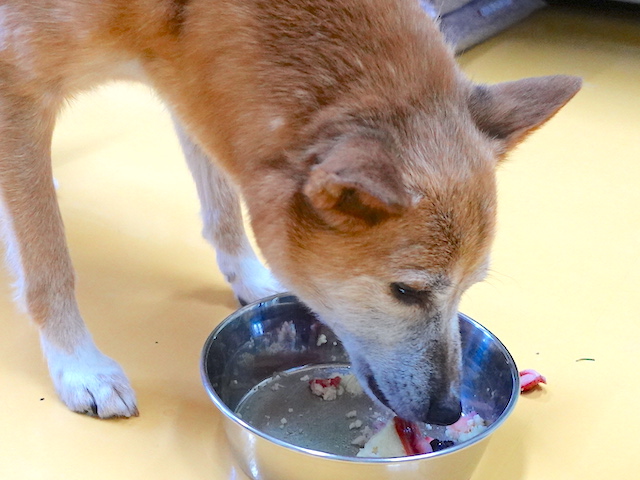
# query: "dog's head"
[[393, 220]]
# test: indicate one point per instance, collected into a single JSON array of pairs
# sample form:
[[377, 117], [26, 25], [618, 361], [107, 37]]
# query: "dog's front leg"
[[85, 379], [223, 226]]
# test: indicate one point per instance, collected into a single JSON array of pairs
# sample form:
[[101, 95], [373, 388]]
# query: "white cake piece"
[[351, 384], [385, 443]]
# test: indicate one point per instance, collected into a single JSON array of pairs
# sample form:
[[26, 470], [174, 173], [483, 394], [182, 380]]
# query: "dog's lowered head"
[[392, 221], [375, 198]]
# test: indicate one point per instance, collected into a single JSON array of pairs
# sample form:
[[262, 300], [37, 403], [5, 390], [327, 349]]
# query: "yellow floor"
[[565, 281]]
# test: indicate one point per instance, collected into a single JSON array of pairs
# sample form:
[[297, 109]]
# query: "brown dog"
[[366, 159]]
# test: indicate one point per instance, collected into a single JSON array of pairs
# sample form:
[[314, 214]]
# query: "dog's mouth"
[[366, 374], [375, 389]]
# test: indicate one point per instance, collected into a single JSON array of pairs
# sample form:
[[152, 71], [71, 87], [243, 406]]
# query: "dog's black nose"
[[444, 413]]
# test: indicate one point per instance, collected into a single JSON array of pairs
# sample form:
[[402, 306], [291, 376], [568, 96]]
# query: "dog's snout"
[[445, 413]]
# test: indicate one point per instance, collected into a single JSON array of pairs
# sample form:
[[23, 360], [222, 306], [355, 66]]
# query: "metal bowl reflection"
[[279, 334]]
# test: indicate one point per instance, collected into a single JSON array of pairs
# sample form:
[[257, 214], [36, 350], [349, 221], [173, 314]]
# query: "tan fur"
[[366, 159]]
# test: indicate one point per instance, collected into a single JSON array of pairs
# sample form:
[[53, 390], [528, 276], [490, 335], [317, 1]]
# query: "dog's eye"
[[408, 295]]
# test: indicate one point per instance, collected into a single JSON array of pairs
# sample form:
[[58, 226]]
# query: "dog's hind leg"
[[223, 226], [85, 379]]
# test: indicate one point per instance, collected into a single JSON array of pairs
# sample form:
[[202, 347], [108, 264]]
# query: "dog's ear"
[[509, 111], [356, 184]]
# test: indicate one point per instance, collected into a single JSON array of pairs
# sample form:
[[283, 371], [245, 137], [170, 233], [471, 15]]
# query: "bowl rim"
[[283, 298]]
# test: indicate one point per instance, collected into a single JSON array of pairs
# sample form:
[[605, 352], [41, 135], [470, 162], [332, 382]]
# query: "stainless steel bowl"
[[251, 367]]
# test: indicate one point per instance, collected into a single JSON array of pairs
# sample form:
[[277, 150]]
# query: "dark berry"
[[438, 445]]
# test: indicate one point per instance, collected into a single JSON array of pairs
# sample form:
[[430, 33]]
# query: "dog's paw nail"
[[89, 382], [101, 398], [93, 407]]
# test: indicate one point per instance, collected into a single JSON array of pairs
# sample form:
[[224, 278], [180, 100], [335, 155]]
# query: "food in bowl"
[[399, 437], [385, 443], [466, 428], [331, 388]]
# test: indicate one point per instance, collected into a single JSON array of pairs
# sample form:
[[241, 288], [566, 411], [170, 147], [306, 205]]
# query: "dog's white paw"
[[88, 381], [248, 277]]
